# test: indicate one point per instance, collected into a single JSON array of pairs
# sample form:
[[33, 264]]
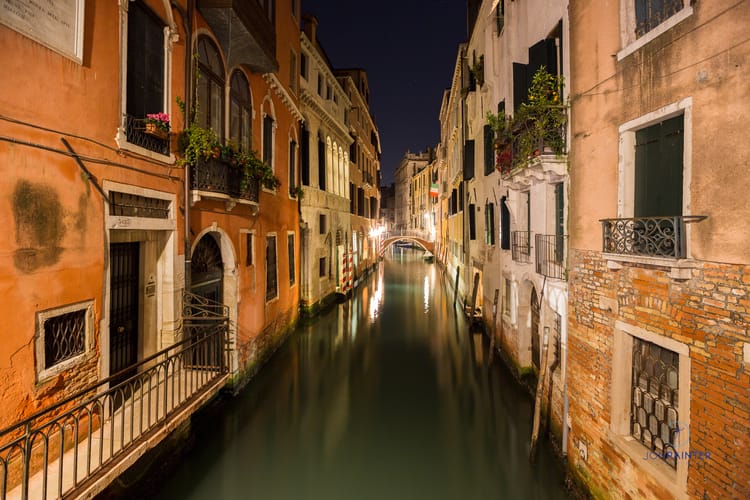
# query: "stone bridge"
[[417, 237]]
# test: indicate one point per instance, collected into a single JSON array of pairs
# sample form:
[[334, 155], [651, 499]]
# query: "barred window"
[[61, 338], [651, 13], [654, 399]]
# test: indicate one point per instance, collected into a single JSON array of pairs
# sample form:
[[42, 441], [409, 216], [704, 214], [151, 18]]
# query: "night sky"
[[408, 48]]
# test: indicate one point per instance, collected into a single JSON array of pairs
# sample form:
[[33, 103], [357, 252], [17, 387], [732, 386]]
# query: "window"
[[239, 111], [303, 66], [322, 224], [210, 87], [654, 416], [304, 153], [489, 223], [293, 71], [62, 338], [249, 249], [651, 403], [469, 160], [504, 224], [658, 169], [269, 8], [292, 168], [322, 267], [489, 150], [268, 131], [500, 16], [145, 92], [651, 13], [644, 20], [272, 288], [321, 165], [295, 9], [290, 253], [472, 222], [559, 222], [320, 85]]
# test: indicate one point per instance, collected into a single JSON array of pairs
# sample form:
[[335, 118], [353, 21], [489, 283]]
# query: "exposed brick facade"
[[709, 312]]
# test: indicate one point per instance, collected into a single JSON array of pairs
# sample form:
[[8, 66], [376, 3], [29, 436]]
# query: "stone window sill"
[[679, 269]]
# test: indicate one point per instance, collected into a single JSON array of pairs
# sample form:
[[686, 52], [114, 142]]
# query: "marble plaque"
[[58, 24]]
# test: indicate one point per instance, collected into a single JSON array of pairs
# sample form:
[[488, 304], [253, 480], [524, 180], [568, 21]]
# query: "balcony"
[[663, 237], [136, 134], [244, 31], [521, 246], [550, 255], [218, 179]]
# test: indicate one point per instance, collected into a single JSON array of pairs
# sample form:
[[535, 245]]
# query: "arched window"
[[240, 113], [210, 87]]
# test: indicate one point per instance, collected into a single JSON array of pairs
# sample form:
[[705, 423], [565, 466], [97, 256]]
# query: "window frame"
[[243, 106], [628, 40], [43, 373], [291, 242], [269, 297], [620, 400], [206, 73]]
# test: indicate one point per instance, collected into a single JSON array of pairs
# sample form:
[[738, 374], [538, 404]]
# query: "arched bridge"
[[417, 237]]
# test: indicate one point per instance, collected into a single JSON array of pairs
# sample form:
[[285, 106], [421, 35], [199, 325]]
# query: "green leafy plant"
[[539, 124], [477, 70]]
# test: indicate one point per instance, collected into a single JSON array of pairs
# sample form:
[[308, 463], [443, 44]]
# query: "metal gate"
[[535, 351], [123, 306], [203, 311]]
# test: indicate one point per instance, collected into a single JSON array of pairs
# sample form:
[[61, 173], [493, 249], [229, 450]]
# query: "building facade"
[[658, 314], [326, 226]]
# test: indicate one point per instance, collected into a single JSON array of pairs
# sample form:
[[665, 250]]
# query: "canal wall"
[[700, 325]]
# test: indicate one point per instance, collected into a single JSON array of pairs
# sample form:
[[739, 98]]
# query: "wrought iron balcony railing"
[[135, 131], [550, 255], [647, 236], [521, 246], [217, 176]]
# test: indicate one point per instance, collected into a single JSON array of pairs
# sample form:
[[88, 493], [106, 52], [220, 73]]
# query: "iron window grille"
[[133, 205], [135, 132], [654, 417], [64, 337], [651, 13]]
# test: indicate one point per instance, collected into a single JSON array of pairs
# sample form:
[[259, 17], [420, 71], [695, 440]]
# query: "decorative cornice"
[[273, 82], [309, 99]]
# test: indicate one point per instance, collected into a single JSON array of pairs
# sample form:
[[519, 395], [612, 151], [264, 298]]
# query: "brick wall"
[[710, 313]]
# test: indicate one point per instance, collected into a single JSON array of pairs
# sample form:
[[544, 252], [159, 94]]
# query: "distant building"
[[409, 165]]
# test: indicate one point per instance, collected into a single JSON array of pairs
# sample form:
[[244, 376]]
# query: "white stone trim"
[[627, 32]]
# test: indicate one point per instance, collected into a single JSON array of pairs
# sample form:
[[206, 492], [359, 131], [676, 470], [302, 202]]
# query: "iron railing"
[[647, 236], [135, 131], [59, 449], [520, 246], [218, 176], [550, 255]]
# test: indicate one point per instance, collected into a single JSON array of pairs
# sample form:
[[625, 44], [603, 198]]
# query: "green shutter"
[[658, 169]]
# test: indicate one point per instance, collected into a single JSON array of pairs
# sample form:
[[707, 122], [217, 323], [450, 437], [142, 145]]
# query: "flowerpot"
[[152, 129]]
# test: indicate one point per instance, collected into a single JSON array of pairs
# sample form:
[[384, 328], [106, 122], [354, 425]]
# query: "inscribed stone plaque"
[[58, 24]]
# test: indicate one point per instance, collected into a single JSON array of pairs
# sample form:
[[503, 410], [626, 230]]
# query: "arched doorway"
[[207, 270], [535, 352]]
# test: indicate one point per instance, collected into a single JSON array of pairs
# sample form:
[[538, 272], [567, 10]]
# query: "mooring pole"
[[539, 397]]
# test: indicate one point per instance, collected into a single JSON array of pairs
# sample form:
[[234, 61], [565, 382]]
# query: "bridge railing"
[[409, 233]]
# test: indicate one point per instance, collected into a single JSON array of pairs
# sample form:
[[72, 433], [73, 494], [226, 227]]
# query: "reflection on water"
[[387, 396]]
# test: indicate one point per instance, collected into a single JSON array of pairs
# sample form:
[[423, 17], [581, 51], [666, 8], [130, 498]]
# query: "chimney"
[[311, 28]]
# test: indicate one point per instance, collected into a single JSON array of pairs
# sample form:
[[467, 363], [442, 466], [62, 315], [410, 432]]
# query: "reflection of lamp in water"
[[426, 293]]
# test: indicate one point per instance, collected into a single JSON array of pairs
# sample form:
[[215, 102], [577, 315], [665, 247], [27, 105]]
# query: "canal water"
[[388, 396]]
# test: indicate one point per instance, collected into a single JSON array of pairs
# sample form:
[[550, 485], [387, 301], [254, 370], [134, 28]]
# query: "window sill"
[[656, 32], [662, 473], [679, 269]]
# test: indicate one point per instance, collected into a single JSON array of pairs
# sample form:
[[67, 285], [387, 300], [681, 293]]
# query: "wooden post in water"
[[494, 323], [455, 295], [473, 297], [540, 386]]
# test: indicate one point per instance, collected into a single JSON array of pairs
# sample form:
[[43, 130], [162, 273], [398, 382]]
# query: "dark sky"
[[408, 48]]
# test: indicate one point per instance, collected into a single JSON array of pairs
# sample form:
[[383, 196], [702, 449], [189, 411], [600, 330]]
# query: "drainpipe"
[[564, 367]]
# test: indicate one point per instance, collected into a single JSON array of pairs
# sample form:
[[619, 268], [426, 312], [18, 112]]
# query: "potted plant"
[[539, 123], [157, 124]]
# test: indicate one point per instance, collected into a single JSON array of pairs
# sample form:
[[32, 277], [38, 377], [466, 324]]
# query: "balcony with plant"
[[222, 170], [537, 128]]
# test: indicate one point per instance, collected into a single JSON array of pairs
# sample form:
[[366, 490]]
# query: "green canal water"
[[387, 396]]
